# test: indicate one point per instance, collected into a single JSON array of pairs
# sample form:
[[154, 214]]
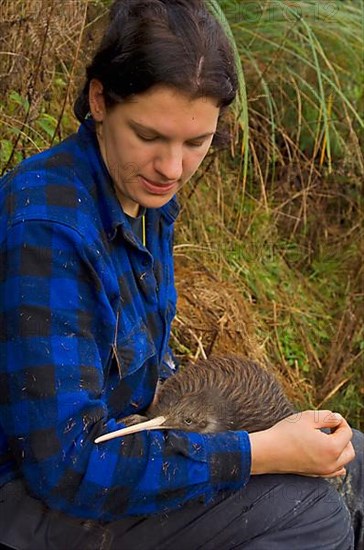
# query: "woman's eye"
[[188, 421], [146, 138], [195, 143]]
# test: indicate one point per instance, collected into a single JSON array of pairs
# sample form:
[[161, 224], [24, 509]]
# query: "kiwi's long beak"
[[153, 424]]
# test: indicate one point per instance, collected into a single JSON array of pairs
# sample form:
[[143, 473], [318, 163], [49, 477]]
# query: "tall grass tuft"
[[303, 63]]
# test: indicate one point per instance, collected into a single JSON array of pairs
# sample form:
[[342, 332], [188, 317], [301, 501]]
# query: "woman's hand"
[[296, 445]]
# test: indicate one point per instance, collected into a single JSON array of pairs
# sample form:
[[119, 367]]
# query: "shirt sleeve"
[[51, 394]]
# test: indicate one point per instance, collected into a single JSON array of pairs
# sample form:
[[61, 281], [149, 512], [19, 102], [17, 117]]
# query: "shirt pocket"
[[132, 349]]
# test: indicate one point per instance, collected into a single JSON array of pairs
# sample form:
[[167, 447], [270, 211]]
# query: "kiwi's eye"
[[188, 421]]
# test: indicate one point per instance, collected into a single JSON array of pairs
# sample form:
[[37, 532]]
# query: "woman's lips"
[[157, 188]]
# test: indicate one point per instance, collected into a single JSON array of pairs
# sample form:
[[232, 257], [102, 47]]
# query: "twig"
[[32, 87], [71, 74]]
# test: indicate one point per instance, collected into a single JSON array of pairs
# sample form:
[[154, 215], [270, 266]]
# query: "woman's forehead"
[[167, 111]]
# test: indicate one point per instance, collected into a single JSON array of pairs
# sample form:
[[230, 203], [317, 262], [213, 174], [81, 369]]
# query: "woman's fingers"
[[340, 439], [338, 473], [347, 455], [339, 450], [341, 431], [303, 447]]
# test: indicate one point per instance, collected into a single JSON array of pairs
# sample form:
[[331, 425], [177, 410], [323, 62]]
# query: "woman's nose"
[[169, 164]]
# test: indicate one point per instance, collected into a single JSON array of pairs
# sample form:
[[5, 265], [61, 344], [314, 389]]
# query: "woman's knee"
[[279, 509]]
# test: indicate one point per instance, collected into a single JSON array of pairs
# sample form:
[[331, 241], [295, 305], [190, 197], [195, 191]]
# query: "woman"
[[87, 298]]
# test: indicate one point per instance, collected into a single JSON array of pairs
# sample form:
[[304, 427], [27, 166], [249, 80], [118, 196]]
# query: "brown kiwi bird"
[[217, 394]]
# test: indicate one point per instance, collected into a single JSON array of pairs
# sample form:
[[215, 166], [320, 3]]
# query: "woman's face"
[[153, 143]]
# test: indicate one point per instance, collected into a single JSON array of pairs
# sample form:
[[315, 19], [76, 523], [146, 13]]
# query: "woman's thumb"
[[326, 419]]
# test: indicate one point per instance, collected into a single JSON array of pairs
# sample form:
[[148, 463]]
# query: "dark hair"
[[176, 43]]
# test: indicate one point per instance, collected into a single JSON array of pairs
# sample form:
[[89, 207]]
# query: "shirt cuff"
[[226, 454], [229, 459]]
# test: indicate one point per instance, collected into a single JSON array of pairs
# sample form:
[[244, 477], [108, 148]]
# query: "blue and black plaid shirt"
[[85, 314]]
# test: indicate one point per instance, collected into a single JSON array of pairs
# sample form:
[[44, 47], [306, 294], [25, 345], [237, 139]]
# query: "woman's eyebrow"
[[141, 128]]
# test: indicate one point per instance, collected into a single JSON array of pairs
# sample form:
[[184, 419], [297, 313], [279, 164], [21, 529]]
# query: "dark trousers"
[[273, 512]]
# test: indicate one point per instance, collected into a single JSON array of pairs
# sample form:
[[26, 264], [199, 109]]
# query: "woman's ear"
[[97, 100]]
